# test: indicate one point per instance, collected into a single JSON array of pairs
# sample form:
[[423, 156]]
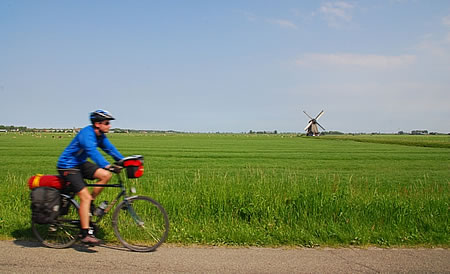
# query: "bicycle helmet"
[[100, 115]]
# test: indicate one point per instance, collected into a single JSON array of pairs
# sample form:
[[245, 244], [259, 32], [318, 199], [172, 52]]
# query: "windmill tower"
[[311, 129]]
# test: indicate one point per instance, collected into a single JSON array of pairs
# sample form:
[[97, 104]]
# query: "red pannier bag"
[[39, 180], [134, 166]]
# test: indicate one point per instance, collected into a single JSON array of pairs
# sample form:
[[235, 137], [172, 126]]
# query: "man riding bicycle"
[[74, 168]]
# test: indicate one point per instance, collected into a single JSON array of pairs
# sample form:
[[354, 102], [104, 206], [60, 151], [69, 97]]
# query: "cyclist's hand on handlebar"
[[114, 168]]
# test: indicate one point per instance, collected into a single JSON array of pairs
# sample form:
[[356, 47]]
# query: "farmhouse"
[[419, 132]]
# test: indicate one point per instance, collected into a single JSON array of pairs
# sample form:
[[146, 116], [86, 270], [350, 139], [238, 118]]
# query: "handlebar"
[[129, 158], [117, 166], [114, 168]]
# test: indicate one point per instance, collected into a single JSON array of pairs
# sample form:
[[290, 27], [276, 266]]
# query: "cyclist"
[[74, 168]]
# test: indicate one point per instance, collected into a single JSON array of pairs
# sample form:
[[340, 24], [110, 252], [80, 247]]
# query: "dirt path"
[[19, 256]]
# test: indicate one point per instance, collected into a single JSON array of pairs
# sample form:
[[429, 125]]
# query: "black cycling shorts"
[[75, 176]]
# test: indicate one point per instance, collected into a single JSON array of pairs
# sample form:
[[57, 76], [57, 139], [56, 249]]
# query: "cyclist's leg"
[[103, 177], [78, 186], [93, 172], [85, 203], [86, 233]]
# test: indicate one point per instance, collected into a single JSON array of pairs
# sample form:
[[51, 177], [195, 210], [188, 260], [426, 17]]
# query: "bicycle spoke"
[[143, 226]]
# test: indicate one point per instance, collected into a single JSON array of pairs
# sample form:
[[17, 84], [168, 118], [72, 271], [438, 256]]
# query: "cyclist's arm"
[[89, 142], [111, 149]]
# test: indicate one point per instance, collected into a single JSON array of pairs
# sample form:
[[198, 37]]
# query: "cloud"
[[356, 60], [282, 23], [279, 22], [248, 15], [446, 21], [337, 13], [436, 46]]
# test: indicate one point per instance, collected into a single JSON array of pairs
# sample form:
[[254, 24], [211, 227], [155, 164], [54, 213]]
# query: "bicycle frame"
[[123, 192]]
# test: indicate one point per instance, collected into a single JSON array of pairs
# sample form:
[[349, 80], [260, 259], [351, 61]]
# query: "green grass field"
[[265, 190]]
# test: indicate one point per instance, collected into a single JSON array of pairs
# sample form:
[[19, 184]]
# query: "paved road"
[[19, 256]]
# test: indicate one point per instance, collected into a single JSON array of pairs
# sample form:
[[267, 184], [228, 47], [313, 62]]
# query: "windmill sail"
[[319, 115]]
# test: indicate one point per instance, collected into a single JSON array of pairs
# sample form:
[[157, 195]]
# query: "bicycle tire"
[[63, 232], [140, 223]]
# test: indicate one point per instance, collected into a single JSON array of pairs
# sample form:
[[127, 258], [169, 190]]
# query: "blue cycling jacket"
[[84, 146]]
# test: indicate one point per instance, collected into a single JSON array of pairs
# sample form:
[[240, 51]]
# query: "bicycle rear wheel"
[[61, 234], [140, 224]]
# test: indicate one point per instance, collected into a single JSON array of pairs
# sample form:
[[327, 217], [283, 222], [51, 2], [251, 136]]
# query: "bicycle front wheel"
[[63, 232], [140, 223]]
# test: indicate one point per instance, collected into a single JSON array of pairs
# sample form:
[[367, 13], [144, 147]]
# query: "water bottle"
[[100, 210]]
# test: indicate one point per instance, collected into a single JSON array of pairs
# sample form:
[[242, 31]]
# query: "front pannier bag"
[[134, 166]]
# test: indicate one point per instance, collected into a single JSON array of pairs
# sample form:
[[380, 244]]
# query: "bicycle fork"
[[132, 212]]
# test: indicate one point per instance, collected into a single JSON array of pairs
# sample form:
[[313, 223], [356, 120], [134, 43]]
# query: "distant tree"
[[331, 133]]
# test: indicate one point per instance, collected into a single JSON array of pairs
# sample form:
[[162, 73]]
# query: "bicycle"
[[139, 222]]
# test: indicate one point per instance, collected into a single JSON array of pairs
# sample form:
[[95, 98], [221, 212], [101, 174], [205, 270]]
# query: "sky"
[[227, 66]]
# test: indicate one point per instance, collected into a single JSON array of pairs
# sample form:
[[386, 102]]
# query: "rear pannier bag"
[[134, 166], [39, 180], [45, 204]]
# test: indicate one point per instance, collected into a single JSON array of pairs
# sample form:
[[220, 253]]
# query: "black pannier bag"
[[45, 204], [134, 166]]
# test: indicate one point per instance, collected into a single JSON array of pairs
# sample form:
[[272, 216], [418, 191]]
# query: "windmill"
[[311, 129]]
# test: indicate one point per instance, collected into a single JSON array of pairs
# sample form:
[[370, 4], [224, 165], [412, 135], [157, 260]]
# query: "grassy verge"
[[438, 141]]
